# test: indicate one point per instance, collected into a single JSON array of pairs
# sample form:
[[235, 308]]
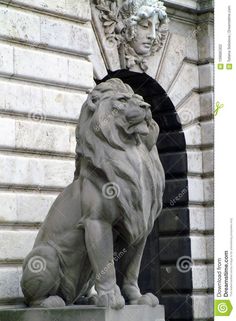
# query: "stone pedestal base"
[[85, 313]]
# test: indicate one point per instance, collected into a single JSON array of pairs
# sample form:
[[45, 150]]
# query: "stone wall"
[[186, 73], [45, 74]]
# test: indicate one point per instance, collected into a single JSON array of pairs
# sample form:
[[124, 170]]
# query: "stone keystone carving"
[[137, 27], [106, 214]]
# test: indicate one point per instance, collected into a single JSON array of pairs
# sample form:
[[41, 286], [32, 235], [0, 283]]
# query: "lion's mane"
[[141, 182]]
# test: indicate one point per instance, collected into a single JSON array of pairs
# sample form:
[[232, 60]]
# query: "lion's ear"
[[92, 102]]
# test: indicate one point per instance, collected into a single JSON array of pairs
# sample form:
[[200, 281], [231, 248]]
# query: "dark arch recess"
[[169, 239]]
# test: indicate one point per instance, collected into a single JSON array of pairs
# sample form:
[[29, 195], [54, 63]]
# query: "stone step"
[[85, 313]]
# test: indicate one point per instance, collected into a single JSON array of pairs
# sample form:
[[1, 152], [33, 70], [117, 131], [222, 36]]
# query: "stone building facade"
[[51, 54]]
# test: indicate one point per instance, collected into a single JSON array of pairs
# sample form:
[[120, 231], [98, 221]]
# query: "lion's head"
[[131, 115], [113, 112], [116, 134]]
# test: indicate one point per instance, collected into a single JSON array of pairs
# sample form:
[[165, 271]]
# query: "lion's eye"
[[115, 111], [122, 100], [94, 100]]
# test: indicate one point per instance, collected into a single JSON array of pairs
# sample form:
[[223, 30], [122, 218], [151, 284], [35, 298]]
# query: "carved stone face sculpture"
[[146, 33], [143, 20], [139, 27], [119, 186]]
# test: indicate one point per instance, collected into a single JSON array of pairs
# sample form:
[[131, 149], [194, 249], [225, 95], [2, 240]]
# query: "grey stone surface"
[[72, 9], [85, 313], [206, 4], [118, 189]]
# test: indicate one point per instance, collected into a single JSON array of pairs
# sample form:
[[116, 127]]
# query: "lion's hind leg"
[[41, 277]]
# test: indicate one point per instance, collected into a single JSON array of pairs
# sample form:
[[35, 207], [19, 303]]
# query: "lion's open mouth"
[[139, 127]]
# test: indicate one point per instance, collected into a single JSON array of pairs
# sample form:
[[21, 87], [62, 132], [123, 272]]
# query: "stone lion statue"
[[115, 197]]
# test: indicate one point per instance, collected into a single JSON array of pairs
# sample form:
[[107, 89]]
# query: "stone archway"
[[169, 239]]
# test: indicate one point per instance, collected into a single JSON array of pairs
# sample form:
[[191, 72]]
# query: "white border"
[[225, 146]]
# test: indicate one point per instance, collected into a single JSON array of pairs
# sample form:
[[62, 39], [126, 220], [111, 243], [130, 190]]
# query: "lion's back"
[[63, 216]]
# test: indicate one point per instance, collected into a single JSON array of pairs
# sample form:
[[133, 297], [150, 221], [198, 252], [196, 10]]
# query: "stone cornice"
[[188, 15], [191, 7]]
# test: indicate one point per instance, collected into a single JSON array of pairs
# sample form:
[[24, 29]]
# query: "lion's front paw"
[[146, 299], [53, 302], [112, 299]]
